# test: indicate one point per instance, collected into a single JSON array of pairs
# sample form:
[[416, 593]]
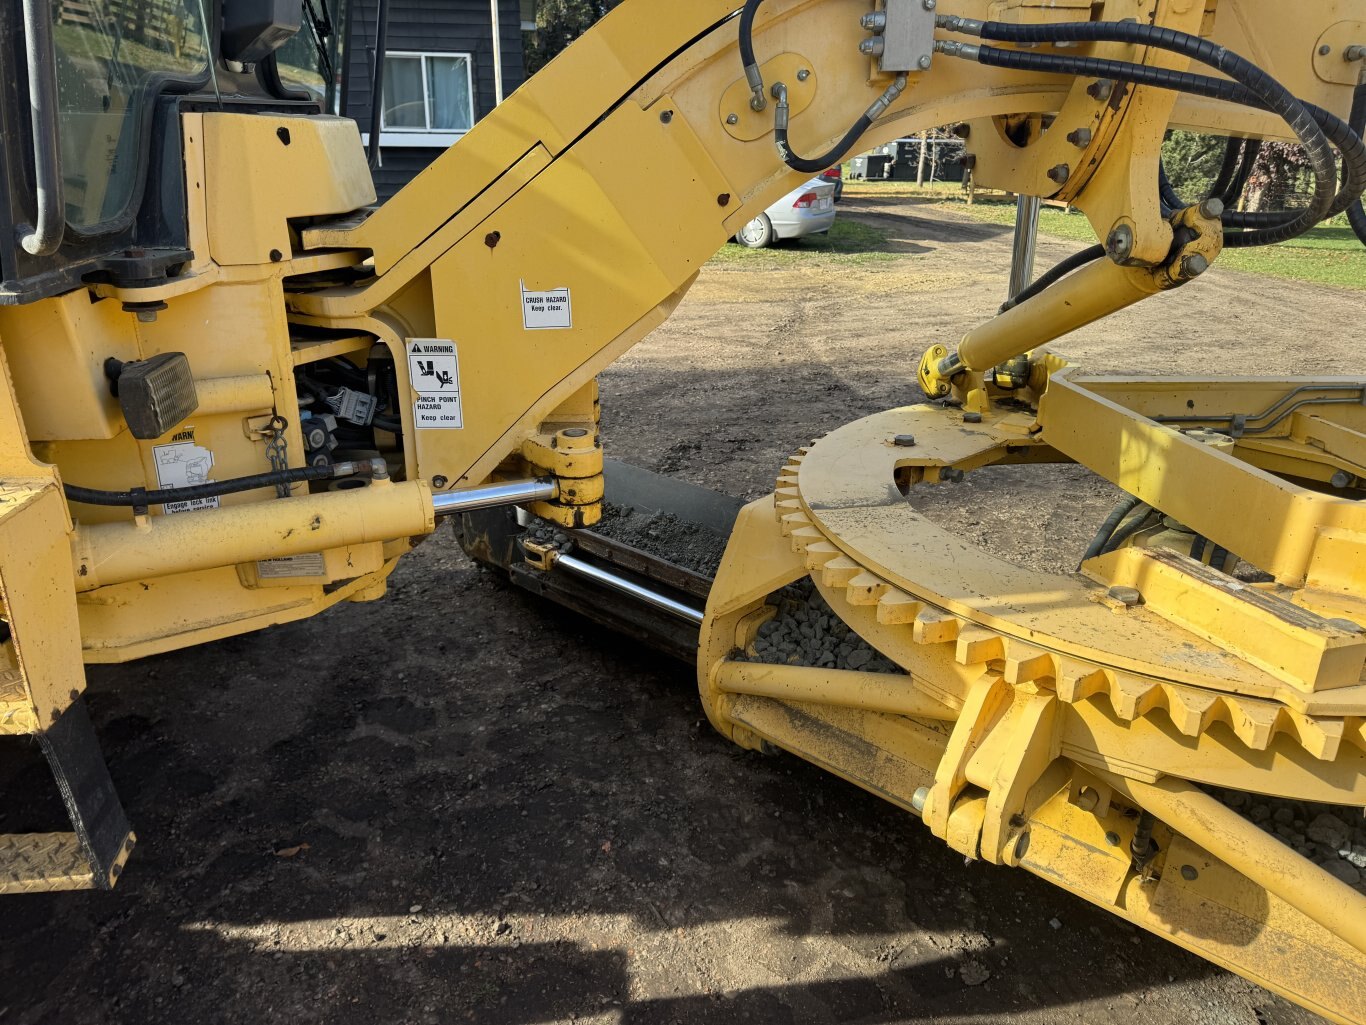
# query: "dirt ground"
[[456, 805]]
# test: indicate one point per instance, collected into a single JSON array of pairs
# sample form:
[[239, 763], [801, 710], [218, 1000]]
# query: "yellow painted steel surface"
[[1038, 716]]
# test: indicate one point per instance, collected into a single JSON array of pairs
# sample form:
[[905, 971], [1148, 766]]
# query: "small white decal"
[[546, 309], [310, 565], [434, 369], [182, 465]]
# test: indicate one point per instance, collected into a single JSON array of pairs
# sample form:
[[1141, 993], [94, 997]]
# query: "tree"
[[559, 23], [1192, 162], [1280, 172]]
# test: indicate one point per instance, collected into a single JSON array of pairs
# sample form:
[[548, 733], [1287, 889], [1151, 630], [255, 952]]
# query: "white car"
[[808, 209]]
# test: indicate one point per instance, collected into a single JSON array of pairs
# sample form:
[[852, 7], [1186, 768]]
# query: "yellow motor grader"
[[237, 393]]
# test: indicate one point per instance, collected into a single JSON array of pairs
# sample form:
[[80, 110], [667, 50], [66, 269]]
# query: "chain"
[[276, 450]]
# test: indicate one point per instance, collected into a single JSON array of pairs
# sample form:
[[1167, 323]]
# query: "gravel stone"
[[1329, 829]]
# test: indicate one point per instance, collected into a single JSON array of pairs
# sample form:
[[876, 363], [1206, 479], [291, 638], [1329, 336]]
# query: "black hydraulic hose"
[[1356, 216], [1274, 95], [817, 164], [1111, 524], [1138, 522], [1074, 262], [1234, 192], [1233, 155], [758, 98], [1274, 225], [214, 489]]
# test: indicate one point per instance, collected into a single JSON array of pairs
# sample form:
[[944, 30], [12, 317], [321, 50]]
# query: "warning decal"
[[546, 309], [434, 370], [183, 465]]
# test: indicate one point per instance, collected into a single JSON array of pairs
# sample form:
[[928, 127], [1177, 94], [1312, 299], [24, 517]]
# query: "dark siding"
[[455, 26]]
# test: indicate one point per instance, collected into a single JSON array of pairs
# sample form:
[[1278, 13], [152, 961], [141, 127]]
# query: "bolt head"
[[666, 116], [930, 5], [1194, 265], [1112, 838], [1189, 873], [1060, 174], [1101, 89], [1120, 243], [1325, 50], [904, 441], [439, 481], [972, 418], [732, 119], [803, 75], [924, 62], [1341, 479], [1212, 208], [1081, 138]]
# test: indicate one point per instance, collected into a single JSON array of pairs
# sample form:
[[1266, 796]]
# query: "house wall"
[[458, 26]]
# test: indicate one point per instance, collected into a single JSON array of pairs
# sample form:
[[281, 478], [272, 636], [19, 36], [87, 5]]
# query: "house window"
[[428, 97]]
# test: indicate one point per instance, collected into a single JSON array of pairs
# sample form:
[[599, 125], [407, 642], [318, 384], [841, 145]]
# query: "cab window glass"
[[112, 58]]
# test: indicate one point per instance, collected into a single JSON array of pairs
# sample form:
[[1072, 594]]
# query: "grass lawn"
[[1328, 255], [848, 243]]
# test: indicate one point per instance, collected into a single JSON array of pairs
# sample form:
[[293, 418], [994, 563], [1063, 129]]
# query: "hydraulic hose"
[[1270, 92], [817, 164], [1273, 225], [758, 99], [1074, 262], [213, 489], [1111, 524], [1356, 216]]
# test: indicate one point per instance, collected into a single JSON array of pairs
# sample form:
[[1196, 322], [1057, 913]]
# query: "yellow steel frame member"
[[562, 229]]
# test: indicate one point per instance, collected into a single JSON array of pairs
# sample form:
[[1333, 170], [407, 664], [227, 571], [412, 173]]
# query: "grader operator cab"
[[236, 394]]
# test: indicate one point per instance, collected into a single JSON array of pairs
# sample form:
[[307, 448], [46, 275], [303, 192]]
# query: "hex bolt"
[[1341, 479], [873, 47], [1088, 799], [1189, 873], [732, 119], [930, 5], [1101, 89], [904, 441], [1354, 53], [1112, 838], [874, 21], [723, 199], [1081, 138], [1212, 208], [1194, 265], [803, 74], [1325, 50], [972, 418], [1126, 596], [439, 481], [1060, 173], [1120, 244], [666, 116], [924, 62]]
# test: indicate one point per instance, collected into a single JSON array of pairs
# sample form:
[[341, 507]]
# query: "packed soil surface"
[[456, 804]]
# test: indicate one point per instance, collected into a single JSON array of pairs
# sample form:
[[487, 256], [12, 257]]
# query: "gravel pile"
[[548, 533], [1332, 837], [678, 541], [807, 632]]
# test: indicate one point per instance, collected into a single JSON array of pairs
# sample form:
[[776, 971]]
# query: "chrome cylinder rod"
[[1026, 244], [601, 576], [449, 503]]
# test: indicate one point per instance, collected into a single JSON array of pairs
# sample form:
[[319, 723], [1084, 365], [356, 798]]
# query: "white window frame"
[[426, 137]]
